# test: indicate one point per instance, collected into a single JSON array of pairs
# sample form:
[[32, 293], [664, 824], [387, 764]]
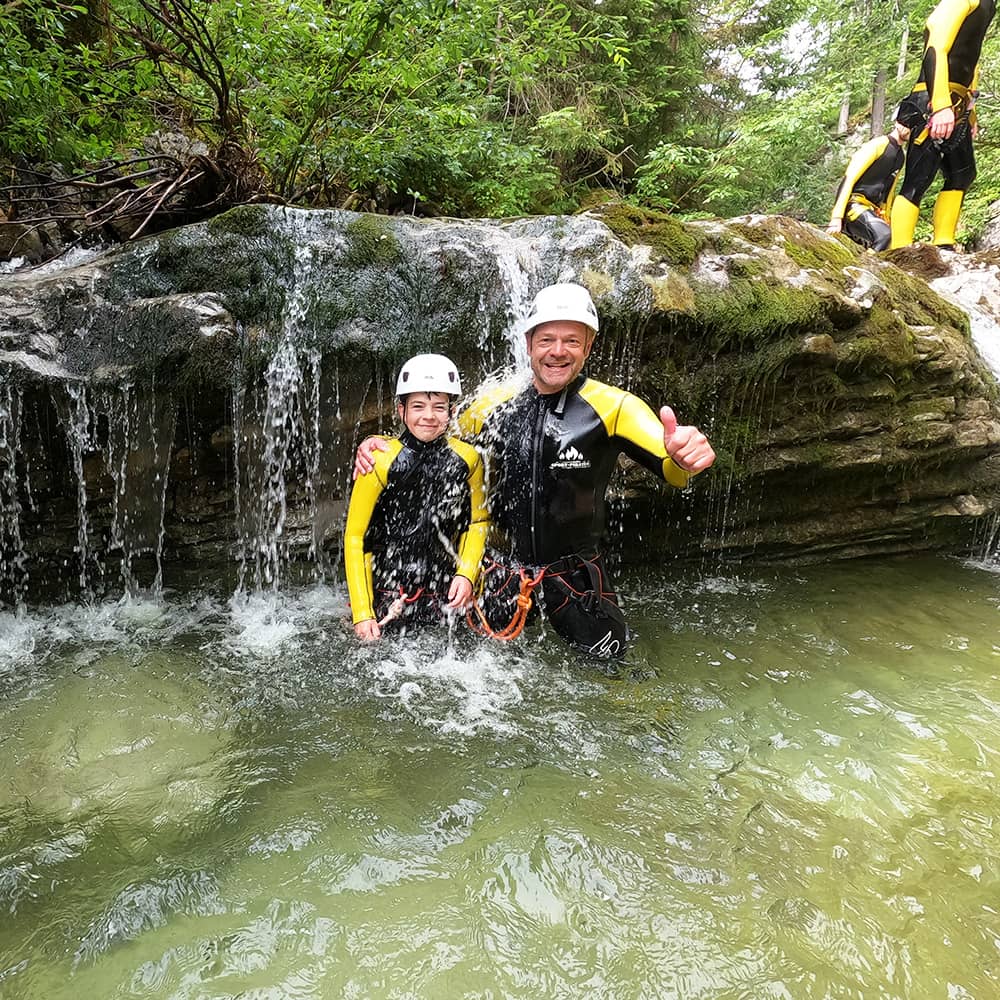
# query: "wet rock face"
[[200, 393]]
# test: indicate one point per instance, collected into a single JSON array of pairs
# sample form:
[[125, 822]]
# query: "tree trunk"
[[845, 114], [901, 67], [878, 102]]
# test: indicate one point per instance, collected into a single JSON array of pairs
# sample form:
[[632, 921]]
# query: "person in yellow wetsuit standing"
[[939, 111], [864, 198], [417, 526]]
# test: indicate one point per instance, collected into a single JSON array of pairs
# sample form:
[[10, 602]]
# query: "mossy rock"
[[918, 305], [244, 220], [820, 253], [884, 344], [668, 236], [753, 311], [371, 240]]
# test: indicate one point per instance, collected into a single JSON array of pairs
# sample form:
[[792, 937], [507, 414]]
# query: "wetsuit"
[[551, 457], [864, 197], [414, 523], [953, 40]]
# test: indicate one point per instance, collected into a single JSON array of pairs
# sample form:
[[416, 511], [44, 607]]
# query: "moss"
[[671, 294], [755, 311], [918, 306], [371, 240], [244, 220], [817, 453], [819, 253], [884, 344], [669, 237], [827, 386], [742, 266]]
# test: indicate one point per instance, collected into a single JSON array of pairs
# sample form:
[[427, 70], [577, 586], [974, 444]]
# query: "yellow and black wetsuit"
[[551, 457], [953, 40], [414, 523], [864, 197]]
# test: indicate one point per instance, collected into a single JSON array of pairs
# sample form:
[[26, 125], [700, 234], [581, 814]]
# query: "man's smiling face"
[[557, 351]]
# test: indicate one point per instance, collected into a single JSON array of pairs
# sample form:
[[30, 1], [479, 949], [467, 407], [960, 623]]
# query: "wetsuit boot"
[[946, 211], [904, 222]]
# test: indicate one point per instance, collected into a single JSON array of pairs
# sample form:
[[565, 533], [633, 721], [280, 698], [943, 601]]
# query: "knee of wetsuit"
[[589, 622], [961, 180]]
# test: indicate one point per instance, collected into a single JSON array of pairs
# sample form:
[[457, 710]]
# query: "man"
[[864, 197], [939, 111], [551, 449]]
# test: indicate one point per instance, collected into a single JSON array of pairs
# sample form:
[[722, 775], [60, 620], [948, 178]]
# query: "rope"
[[398, 606], [523, 601]]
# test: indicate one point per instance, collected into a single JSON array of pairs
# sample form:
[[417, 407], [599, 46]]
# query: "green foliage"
[[54, 92], [478, 107]]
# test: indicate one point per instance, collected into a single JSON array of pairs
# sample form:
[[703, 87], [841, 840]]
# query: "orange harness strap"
[[524, 601]]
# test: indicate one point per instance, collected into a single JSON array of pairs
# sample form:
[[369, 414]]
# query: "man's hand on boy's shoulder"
[[364, 458]]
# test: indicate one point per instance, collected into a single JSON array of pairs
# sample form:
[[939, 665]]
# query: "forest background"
[[168, 110]]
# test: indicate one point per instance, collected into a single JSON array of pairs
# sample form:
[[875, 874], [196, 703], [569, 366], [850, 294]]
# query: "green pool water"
[[788, 791]]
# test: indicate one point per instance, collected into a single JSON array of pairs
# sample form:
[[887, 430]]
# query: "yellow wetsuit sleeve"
[[473, 417], [942, 27], [357, 565], [856, 167], [472, 543], [636, 422], [629, 419]]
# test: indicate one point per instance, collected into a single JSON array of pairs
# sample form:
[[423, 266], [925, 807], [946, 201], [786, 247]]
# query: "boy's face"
[[426, 414]]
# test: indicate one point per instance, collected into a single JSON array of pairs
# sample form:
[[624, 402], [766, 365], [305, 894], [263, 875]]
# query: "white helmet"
[[565, 300], [428, 373]]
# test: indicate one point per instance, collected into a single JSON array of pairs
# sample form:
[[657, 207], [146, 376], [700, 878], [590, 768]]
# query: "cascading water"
[[12, 555], [278, 431], [274, 335], [78, 426]]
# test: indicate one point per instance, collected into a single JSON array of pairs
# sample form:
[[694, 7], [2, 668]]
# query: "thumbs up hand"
[[686, 445]]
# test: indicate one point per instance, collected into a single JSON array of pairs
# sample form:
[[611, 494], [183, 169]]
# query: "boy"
[[417, 527]]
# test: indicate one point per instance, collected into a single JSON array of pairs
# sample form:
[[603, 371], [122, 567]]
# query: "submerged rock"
[[200, 393]]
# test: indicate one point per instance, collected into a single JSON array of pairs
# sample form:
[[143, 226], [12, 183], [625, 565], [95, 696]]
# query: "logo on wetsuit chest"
[[570, 458]]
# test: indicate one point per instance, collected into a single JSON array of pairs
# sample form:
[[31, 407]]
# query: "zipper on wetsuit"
[[537, 443]]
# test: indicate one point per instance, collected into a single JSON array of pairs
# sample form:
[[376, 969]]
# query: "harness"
[[915, 108], [594, 601], [858, 205]]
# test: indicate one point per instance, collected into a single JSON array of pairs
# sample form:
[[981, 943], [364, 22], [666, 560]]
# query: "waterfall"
[[137, 450], [196, 397], [77, 425]]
